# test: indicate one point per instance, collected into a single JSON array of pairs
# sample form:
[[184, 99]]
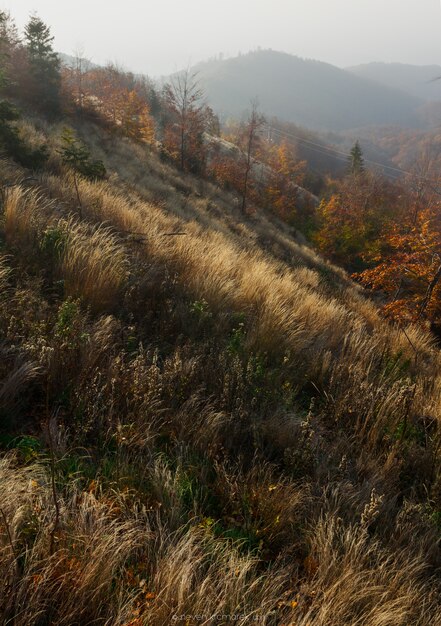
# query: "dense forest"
[[219, 361]]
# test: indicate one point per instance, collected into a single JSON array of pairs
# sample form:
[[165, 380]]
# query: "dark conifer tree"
[[356, 160], [44, 68]]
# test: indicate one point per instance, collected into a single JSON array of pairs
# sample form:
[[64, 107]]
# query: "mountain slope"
[[308, 93], [416, 80], [200, 416]]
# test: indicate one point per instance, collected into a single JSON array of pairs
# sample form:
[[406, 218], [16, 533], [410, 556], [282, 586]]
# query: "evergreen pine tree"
[[77, 156], [9, 41], [44, 66], [356, 160]]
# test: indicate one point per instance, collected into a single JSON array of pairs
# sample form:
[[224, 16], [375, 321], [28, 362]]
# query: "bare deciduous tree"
[[186, 101], [253, 125], [79, 69]]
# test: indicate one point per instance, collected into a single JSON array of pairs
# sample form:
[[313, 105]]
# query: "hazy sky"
[[160, 36]]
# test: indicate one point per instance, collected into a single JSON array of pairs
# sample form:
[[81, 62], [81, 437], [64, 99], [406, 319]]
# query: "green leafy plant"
[[53, 241]]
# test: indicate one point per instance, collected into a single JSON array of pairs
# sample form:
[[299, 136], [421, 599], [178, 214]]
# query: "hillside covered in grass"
[[214, 422], [202, 421]]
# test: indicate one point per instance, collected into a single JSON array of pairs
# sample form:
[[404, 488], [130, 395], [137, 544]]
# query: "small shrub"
[[77, 156]]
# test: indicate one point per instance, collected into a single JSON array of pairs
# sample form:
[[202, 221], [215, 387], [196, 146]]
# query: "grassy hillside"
[[201, 420], [306, 92]]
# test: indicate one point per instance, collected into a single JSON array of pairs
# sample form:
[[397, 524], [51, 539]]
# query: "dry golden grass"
[[179, 573], [110, 566], [257, 442], [353, 580], [93, 265], [73, 583], [14, 384], [287, 311], [4, 273], [22, 209]]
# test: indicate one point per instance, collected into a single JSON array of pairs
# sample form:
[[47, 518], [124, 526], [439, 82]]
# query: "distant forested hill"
[[416, 80], [309, 93]]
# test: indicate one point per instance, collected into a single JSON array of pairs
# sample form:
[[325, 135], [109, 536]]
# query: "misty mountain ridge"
[[416, 80], [310, 93]]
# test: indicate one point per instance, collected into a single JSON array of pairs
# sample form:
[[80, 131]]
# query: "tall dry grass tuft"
[[93, 265], [22, 216], [12, 387], [93, 262], [4, 272], [352, 580], [199, 579], [75, 584]]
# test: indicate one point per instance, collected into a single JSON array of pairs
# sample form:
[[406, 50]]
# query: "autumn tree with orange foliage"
[[410, 270], [352, 220], [235, 165], [286, 173], [115, 97], [223, 166]]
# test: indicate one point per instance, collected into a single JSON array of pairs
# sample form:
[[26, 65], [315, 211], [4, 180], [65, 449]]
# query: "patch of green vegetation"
[[201, 309], [69, 322], [409, 433], [28, 447], [397, 367], [237, 339], [245, 540], [53, 242]]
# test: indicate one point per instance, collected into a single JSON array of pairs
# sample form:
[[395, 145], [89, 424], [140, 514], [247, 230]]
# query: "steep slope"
[[416, 80], [201, 417], [309, 93]]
